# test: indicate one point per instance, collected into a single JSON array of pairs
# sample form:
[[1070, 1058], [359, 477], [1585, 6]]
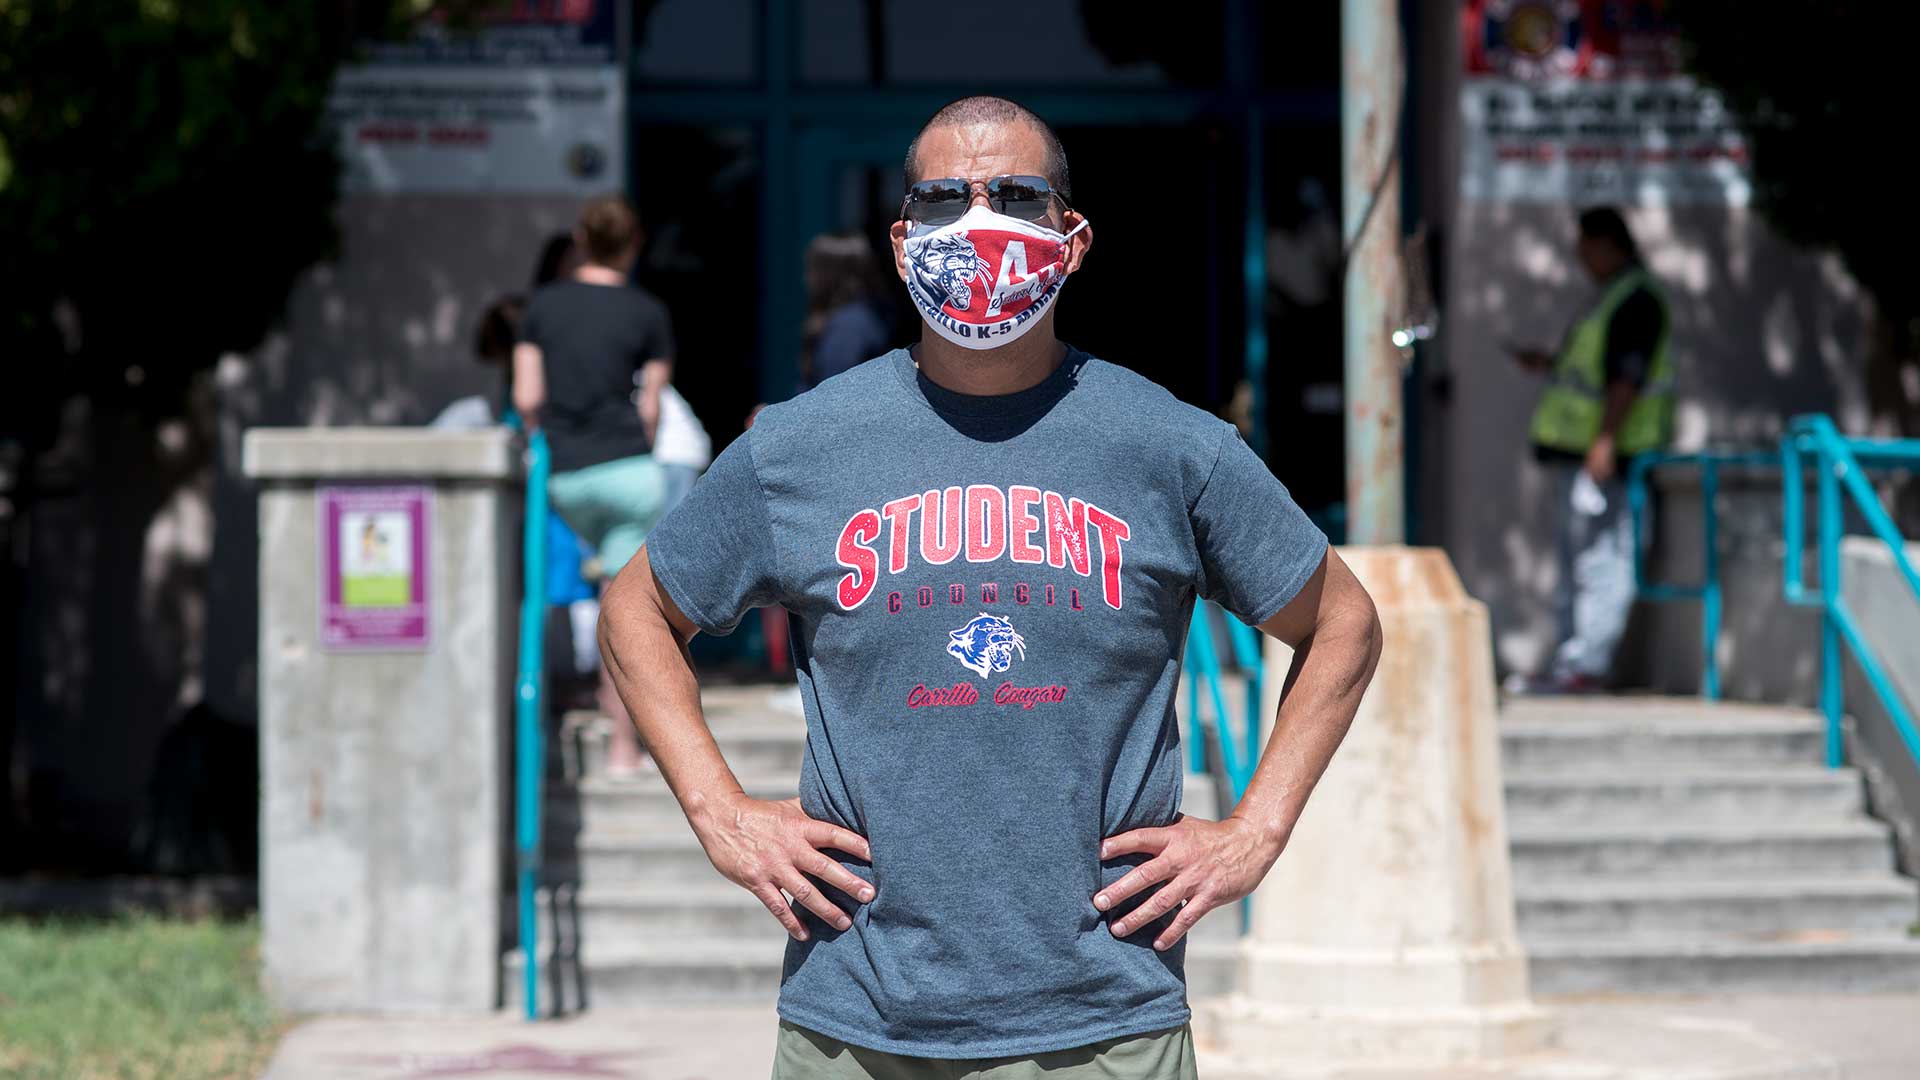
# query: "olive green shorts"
[[804, 1054]]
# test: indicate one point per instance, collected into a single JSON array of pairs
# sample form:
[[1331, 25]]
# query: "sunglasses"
[[943, 201]]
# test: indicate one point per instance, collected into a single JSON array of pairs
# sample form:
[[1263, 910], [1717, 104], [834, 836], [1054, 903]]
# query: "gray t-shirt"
[[991, 600]]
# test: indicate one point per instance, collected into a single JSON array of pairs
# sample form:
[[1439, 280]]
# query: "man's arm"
[[1533, 358], [1602, 455], [1336, 639], [529, 383], [643, 641], [1335, 633], [1632, 335], [764, 846]]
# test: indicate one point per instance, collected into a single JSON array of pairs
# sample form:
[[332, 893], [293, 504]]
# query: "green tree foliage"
[[164, 175], [1820, 88]]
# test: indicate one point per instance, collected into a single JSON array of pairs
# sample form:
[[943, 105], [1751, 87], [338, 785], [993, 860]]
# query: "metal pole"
[[1830, 673], [1372, 74], [529, 754], [1710, 586]]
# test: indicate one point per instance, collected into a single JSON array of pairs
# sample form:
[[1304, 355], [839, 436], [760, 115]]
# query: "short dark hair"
[[559, 257], [985, 109], [608, 227], [841, 270], [499, 328], [1606, 223]]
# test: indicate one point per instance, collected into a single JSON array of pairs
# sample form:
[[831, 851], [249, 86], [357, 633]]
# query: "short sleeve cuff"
[[1290, 587], [662, 565]]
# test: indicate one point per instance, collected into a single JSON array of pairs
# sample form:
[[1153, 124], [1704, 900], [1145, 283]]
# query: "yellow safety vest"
[[1569, 413]]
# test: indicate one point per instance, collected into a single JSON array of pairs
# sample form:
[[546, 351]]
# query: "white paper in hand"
[[1588, 499]]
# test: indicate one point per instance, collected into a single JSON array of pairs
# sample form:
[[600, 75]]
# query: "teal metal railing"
[[1708, 591], [529, 750], [1839, 462], [1239, 751]]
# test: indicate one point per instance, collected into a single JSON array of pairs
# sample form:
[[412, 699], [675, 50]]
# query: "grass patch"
[[139, 998]]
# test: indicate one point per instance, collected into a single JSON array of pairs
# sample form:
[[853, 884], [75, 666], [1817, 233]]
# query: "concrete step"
[[580, 750], [663, 857], [1822, 964], [1607, 734], [684, 972], [1610, 908], [761, 746], [617, 917], [599, 803], [721, 972], [1541, 798], [755, 731], [1844, 848]]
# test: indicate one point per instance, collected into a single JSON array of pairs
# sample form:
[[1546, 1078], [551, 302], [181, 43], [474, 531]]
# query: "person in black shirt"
[[581, 341]]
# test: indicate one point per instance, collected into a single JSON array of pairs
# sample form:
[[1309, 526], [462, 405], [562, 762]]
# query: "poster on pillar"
[[511, 98], [374, 568], [1583, 102]]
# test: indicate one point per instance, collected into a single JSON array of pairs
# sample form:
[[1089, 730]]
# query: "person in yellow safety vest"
[[1609, 397]]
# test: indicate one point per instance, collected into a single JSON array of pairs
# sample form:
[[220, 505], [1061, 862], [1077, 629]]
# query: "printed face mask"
[[987, 278]]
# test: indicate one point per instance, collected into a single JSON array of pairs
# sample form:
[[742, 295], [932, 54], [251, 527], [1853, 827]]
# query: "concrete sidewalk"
[[1626, 1038]]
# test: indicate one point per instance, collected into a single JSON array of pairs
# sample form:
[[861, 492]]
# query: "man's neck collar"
[[987, 372]]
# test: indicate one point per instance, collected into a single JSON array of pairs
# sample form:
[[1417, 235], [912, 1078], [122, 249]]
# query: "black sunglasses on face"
[[943, 201]]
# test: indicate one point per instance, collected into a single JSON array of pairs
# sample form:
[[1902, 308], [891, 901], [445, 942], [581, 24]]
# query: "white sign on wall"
[[1630, 142], [1578, 102], [459, 128]]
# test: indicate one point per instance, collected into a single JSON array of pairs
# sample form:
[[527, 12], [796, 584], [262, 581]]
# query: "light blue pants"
[[612, 505], [1596, 575], [680, 480]]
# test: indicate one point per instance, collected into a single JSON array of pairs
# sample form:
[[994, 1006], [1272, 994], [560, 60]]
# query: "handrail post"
[[1830, 674], [1246, 651], [1200, 638], [529, 756], [1196, 739], [1792, 518], [1710, 590], [1637, 470]]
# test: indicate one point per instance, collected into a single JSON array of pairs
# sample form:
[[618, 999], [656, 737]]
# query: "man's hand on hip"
[[766, 845], [1207, 864]]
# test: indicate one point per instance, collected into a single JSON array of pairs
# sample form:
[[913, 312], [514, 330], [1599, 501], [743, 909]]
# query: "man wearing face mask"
[[992, 543]]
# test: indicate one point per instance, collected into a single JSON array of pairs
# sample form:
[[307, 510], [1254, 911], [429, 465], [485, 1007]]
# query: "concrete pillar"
[[1386, 929], [383, 772]]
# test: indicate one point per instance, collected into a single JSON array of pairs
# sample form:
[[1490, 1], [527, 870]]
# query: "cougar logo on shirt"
[[947, 267], [986, 644]]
